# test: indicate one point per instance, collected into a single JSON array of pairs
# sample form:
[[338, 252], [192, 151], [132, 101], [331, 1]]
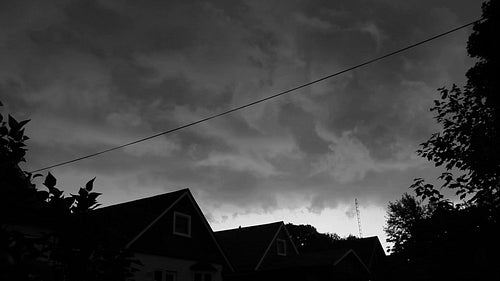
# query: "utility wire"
[[261, 100]]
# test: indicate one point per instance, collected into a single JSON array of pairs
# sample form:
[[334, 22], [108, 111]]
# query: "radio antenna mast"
[[359, 217]]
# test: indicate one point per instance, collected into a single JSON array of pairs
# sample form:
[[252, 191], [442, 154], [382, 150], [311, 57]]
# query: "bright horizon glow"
[[340, 220], [328, 221]]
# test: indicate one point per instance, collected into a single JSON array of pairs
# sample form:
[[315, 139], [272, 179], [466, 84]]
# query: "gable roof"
[[247, 246], [130, 220], [365, 248], [329, 257]]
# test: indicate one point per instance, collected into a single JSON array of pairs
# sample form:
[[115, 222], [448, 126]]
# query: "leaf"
[[55, 191], [22, 123], [90, 184], [13, 124], [82, 192], [50, 181]]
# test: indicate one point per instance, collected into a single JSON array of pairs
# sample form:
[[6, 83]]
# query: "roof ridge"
[[180, 191], [269, 245], [248, 227]]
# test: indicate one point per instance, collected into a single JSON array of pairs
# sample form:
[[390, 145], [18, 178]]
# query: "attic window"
[[281, 247], [182, 224]]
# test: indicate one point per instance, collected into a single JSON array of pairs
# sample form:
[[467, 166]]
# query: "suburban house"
[[350, 259], [171, 238], [169, 235], [253, 249], [370, 251], [267, 252], [331, 264]]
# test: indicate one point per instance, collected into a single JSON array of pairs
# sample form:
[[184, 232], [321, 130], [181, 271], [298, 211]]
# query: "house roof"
[[328, 258], [365, 248], [245, 246], [128, 221]]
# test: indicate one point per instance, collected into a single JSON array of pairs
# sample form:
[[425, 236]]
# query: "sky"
[[92, 75]]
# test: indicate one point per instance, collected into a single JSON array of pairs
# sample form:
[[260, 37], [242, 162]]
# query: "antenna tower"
[[359, 217]]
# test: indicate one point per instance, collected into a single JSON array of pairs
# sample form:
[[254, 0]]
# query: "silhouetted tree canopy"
[[44, 234], [308, 239], [470, 118], [402, 217], [434, 238]]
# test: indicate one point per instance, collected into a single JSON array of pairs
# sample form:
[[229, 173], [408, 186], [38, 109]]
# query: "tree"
[[431, 240], [74, 247], [17, 192], [402, 217], [308, 239], [470, 117], [433, 236], [469, 144]]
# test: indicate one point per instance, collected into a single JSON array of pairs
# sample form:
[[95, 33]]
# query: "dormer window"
[[281, 247], [182, 224]]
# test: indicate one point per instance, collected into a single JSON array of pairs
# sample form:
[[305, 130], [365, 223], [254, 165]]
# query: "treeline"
[[439, 238]]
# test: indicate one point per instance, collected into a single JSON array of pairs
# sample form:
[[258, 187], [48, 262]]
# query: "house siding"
[[272, 255], [160, 239], [182, 267], [350, 269]]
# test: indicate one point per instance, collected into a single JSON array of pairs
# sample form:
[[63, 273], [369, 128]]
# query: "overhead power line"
[[262, 99]]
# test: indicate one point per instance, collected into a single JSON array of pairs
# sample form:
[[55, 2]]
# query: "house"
[[267, 252], [253, 249], [169, 235], [172, 239], [369, 250], [340, 264], [350, 259]]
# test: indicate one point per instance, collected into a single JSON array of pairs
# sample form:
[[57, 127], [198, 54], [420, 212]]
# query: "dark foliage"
[[45, 235], [435, 239], [470, 117], [402, 218], [308, 239]]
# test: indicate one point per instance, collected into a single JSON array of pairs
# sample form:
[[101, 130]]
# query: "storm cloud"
[[96, 74]]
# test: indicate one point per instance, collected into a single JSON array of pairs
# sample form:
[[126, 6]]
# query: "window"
[[203, 276], [182, 224], [281, 247], [170, 275], [167, 275]]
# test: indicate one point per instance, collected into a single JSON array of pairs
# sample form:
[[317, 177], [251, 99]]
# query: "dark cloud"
[[96, 74], [301, 125]]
